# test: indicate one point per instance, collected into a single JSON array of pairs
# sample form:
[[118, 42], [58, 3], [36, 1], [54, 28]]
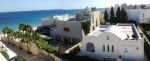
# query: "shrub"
[[86, 26], [45, 46], [20, 58], [147, 49], [72, 57], [5, 54]]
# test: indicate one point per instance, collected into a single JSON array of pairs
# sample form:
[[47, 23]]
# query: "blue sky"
[[26, 5]]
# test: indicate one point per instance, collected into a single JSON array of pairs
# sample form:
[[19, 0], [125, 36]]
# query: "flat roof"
[[123, 31]]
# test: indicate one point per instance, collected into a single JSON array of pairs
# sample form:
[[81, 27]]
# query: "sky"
[[28, 5]]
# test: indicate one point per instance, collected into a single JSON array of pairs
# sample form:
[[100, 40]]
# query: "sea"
[[33, 18]]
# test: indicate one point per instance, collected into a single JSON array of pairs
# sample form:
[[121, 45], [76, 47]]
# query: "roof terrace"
[[122, 30]]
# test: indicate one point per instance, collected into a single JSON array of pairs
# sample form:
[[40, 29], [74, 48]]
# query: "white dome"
[[115, 30]]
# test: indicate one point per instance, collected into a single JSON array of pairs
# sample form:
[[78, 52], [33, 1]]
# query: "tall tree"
[[124, 16], [111, 15], [118, 14], [106, 16]]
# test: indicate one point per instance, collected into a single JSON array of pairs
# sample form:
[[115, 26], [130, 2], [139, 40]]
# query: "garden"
[[27, 36]]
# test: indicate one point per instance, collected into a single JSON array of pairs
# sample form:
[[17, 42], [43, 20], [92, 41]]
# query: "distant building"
[[135, 12], [47, 21], [50, 20], [121, 42], [72, 30]]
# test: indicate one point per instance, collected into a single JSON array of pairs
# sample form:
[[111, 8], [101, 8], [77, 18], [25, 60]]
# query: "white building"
[[47, 21], [72, 30], [50, 20], [120, 42], [137, 14], [141, 15]]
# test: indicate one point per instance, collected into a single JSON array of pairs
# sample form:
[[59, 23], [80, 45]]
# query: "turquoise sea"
[[13, 19]]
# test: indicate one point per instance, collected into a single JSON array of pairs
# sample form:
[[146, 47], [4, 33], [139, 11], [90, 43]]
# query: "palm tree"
[[21, 27], [28, 41], [8, 31], [26, 38], [5, 30], [29, 28]]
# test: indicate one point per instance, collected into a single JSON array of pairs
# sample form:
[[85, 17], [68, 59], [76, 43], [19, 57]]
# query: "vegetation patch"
[[5, 54], [72, 57], [146, 50], [86, 26], [28, 35], [145, 28], [20, 58], [45, 46]]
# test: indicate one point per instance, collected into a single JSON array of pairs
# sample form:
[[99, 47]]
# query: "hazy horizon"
[[32, 5]]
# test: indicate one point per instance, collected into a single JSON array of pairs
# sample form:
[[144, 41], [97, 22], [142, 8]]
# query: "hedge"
[[72, 57], [5, 54], [20, 58], [45, 46], [86, 26]]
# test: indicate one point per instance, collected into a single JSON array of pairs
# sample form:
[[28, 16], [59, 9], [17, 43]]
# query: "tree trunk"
[[20, 45], [28, 48]]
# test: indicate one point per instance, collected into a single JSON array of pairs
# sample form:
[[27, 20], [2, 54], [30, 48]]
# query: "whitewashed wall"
[[119, 47]]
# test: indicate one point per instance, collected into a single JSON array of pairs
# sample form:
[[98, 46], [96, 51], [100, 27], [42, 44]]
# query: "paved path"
[[20, 52]]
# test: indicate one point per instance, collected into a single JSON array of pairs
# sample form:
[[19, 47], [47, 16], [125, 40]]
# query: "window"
[[86, 14], [105, 59], [108, 48], [112, 48], [66, 29], [96, 22], [103, 48], [107, 37], [137, 48], [90, 47], [120, 56], [93, 27], [126, 50], [109, 59]]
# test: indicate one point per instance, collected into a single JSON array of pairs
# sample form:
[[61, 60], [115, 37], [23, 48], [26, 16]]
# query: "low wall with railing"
[[73, 48]]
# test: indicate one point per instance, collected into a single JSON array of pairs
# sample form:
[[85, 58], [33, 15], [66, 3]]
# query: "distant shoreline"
[[39, 10], [45, 10]]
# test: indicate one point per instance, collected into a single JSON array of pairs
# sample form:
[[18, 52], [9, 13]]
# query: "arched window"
[[107, 37], [112, 48], [108, 48], [103, 48], [90, 47], [93, 28], [126, 50]]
